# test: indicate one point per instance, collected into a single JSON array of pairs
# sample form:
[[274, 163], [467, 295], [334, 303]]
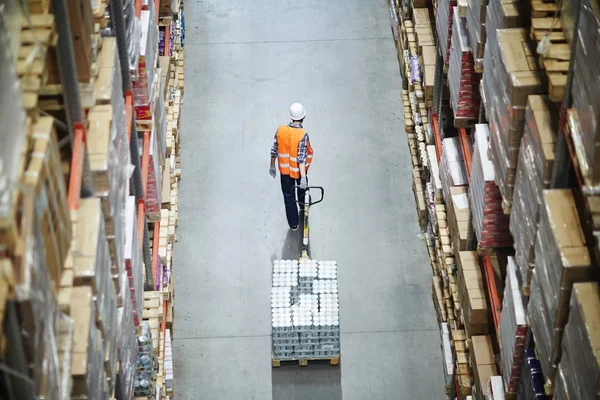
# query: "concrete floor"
[[246, 61]]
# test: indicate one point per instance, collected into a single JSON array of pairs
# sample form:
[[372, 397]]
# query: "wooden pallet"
[[303, 362], [543, 8], [556, 60]]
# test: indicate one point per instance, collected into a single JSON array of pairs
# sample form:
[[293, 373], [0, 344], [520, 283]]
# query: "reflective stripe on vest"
[[288, 140]]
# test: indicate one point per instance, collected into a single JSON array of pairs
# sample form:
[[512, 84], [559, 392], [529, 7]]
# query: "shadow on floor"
[[292, 245], [317, 381]]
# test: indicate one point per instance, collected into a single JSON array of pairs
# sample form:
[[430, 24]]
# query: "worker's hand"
[[303, 183], [272, 171]]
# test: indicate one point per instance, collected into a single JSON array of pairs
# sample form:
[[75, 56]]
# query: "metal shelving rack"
[[80, 180]]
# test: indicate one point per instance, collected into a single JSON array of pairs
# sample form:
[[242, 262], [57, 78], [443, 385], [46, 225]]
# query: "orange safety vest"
[[288, 140]]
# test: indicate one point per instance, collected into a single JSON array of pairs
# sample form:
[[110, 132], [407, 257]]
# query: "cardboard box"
[[482, 360], [523, 77]]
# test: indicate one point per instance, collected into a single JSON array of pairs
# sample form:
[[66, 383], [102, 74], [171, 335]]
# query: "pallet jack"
[[308, 202]]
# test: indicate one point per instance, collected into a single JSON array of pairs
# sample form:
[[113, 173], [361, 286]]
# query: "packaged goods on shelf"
[[476, 15], [494, 389], [462, 79], [561, 259], [43, 179], [489, 221], [37, 307], [568, 14], [482, 361], [434, 175], [154, 187], [578, 374], [531, 383], [423, 30], [160, 118], [91, 268], [471, 294], [13, 142], [513, 330], [509, 76], [89, 377], [448, 356], [144, 86], [452, 168], [143, 384], [168, 363], [85, 46], [444, 20], [459, 218], [534, 172], [504, 14], [585, 128], [127, 345], [108, 150], [133, 260]]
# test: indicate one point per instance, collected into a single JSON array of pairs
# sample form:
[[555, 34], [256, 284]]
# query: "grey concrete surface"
[[245, 62]]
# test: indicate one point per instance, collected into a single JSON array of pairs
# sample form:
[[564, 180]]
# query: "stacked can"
[[305, 310], [145, 363]]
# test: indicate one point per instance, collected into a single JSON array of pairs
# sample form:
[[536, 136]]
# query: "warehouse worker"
[[293, 151]]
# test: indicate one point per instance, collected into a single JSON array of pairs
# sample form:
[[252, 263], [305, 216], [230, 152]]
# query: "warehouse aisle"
[[246, 61]]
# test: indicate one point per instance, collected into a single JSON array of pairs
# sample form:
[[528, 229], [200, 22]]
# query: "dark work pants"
[[289, 199]]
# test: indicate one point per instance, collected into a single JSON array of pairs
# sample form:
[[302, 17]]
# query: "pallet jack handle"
[[308, 188]]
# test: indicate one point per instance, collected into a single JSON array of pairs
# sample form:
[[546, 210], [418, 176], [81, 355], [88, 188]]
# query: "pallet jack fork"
[[308, 202]]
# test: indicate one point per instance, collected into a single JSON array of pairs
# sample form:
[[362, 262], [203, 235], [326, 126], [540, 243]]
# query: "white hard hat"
[[297, 112]]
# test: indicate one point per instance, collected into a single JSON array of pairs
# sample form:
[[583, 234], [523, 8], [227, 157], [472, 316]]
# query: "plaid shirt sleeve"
[[274, 148], [302, 149]]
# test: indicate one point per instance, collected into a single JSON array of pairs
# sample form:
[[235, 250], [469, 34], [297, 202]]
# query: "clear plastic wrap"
[[143, 384], [561, 259], [154, 187], [462, 79], [494, 389], [476, 15], [489, 221], [541, 326], [39, 259], [12, 113], [160, 119], [534, 171], [568, 14], [445, 11], [110, 156], [127, 346], [509, 76], [586, 92], [10, 31], [531, 383], [513, 329], [144, 87], [92, 261], [133, 261], [579, 368], [89, 377], [452, 168], [504, 14]]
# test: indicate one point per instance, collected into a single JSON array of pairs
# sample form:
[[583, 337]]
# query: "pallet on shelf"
[[38, 37], [555, 60]]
